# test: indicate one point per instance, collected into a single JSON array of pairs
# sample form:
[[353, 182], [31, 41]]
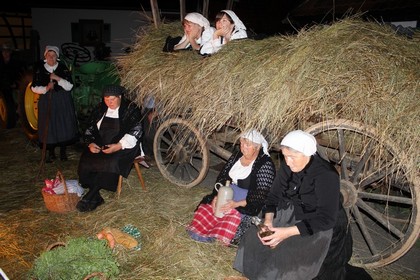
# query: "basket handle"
[[61, 177]]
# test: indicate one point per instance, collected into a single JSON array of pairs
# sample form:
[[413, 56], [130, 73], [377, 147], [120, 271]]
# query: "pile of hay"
[[161, 215], [355, 70]]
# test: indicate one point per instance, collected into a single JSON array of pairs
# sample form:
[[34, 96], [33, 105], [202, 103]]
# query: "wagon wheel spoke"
[[379, 217], [194, 167], [364, 229], [182, 171], [362, 162], [386, 198], [187, 168], [166, 140], [175, 167], [342, 154], [174, 135], [377, 175]]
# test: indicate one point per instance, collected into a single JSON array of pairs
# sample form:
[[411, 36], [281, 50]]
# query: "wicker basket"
[[61, 203]]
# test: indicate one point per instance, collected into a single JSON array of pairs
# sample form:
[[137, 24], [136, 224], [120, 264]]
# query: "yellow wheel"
[[28, 108]]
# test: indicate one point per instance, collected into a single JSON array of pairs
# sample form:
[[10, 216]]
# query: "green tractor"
[[89, 78]]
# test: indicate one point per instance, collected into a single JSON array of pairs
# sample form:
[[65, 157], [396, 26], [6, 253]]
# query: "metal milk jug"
[[224, 193]]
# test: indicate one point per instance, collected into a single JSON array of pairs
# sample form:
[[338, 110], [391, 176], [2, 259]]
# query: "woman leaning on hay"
[[304, 213], [197, 31], [228, 27], [251, 171]]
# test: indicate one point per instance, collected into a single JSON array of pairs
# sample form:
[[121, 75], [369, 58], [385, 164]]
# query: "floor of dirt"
[[20, 161]]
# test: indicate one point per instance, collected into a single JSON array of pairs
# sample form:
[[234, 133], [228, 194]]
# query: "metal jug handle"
[[217, 186]]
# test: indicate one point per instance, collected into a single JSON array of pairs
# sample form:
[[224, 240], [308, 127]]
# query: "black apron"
[[104, 169], [295, 258]]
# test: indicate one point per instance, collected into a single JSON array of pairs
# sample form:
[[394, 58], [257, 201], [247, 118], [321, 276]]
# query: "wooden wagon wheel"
[[181, 153], [380, 194]]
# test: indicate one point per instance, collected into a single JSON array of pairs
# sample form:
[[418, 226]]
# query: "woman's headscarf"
[[256, 137], [199, 19], [300, 141], [196, 18], [238, 23]]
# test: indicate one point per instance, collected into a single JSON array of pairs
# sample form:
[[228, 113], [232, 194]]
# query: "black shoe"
[[89, 205], [83, 205], [97, 203]]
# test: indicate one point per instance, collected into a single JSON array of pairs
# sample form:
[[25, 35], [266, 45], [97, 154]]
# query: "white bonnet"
[[238, 23], [256, 137], [198, 19], [300, 141], [52, 48]]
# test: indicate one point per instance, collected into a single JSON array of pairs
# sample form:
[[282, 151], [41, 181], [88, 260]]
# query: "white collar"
[[50, 68]]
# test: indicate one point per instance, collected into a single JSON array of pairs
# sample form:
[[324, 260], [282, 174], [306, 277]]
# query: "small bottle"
[[224, 193], [263, 230]]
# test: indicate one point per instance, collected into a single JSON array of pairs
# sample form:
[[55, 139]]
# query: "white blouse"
[[239, 171]]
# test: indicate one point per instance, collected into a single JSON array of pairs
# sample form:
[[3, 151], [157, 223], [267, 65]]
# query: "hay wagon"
[[353, 85]]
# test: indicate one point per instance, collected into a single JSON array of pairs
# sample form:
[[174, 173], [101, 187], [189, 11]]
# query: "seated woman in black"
[[112, 135]]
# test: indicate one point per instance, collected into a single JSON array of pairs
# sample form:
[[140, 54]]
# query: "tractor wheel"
[[28, 108]]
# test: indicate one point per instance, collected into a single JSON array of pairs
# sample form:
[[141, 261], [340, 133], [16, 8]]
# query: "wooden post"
[[155, 12], [182, 9], [206, 8], [229, 5]]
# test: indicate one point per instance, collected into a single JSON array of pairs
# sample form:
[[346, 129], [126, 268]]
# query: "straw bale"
[[353, 69]]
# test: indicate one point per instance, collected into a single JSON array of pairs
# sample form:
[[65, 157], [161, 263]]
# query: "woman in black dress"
[[57, 123], [113, 142]]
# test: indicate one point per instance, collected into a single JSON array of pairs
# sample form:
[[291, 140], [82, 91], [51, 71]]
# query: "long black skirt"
[[104, 169], [297, 257], [57, 122]]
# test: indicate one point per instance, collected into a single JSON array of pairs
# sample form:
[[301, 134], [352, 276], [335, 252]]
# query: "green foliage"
[[79, 258]]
